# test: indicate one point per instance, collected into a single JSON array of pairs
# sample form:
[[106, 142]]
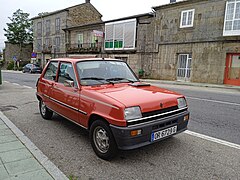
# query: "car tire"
[[23, 71], [44, 111], [102, 140]]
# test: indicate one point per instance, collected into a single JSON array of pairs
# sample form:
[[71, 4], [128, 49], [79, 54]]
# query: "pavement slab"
[[15, 155], [8, 138], [20, 159], [8, 146], [22, 166]]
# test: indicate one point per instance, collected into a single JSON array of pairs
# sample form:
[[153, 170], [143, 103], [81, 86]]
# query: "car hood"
[[147, 97]]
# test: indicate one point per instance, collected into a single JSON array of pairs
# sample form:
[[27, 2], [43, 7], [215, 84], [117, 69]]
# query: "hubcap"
[[101, 139], [43, 108]]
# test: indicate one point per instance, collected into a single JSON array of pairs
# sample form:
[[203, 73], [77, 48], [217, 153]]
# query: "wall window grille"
[[48, 27], [57, 25], [184, 67], [120, 35], [187, 18], [39, 29], [232, 18], [57, 44], [39, 45]]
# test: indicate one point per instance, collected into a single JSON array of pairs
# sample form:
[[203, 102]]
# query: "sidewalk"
[[224, 86], [20, 158]]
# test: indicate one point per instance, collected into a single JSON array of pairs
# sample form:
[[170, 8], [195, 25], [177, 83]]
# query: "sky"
[[110, 9]]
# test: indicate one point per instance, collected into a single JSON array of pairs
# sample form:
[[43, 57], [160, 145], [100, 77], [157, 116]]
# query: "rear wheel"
[[102, 140], [44, 111]]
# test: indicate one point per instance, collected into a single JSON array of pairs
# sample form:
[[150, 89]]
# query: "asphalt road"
[[214, 112]]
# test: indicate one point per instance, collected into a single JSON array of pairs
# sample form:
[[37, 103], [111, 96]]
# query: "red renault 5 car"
[[105, 97]]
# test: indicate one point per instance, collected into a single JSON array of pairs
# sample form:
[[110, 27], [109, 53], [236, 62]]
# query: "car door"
[[46, 83], [65, 92]]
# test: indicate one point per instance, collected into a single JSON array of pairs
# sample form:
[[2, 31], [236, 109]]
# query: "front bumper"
[[125, 141]]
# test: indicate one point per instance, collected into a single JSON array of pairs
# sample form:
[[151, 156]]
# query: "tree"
[[19, 31]]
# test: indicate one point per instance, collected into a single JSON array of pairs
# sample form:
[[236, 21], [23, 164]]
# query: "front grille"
[[168, 123], [157, 115], [159, 111]]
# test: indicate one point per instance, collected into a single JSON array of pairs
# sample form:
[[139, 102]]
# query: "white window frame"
[[187, 25], [231, 32], [187, 69], [123, 38]]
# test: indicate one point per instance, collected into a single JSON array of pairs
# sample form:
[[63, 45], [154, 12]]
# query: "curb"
[[191, 84], [51, 168]]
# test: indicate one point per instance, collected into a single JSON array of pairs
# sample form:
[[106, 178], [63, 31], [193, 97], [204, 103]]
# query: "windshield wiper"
[[95, 78], [119, 79]]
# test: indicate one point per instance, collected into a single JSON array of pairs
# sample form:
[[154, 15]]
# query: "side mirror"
[[68, 83]]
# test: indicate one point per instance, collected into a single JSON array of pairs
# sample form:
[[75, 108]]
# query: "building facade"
[[50, 41], [198, 41], [13, 52], [194, 40]]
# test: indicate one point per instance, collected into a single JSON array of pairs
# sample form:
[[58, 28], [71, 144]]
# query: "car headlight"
[[181, 102], [132, 113]]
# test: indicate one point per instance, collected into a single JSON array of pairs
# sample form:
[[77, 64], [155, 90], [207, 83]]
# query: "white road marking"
[[16, 84], [212, 139], [6, 81], [215, 101], [27, 87]]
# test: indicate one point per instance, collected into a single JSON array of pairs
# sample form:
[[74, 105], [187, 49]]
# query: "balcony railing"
[[84, 48]]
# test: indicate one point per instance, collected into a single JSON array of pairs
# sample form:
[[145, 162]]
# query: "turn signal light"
[[136, 132]]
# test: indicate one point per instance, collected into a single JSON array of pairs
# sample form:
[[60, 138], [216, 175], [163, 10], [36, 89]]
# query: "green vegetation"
[[19, 31]]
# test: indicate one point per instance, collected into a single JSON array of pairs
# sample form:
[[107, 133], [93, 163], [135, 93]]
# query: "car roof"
[[85, 59]]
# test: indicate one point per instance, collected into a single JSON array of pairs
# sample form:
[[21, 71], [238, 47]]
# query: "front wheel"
[[44, 111], [102, 140]]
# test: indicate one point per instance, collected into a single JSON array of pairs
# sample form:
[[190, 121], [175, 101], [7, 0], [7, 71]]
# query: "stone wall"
[[14, 50], [83, 14]]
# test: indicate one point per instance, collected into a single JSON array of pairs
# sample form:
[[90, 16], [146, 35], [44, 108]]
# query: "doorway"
[[232, 70], [184, 67]]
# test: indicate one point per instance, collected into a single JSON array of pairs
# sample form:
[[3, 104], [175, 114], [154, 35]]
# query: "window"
[[57, 25], [232, 18], [39, 29], [66, 72], [184, 67], [187, 18], [48, 25], [47, 42], [39, 45], [51, 71], [57, 44], [80, 40], [120, 35]]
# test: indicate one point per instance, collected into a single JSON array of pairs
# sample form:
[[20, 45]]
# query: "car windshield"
[[104, 72]]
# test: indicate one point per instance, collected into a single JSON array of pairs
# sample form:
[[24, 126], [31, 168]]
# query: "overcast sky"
[[110, 9]]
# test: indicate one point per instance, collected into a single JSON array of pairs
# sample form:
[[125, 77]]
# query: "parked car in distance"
[[32, 68], [105, 97]]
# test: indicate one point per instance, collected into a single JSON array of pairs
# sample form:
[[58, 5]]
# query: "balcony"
[[47, 49], [85, 48]]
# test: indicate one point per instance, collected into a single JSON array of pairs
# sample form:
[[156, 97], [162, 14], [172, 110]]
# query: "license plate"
[[163, 133]]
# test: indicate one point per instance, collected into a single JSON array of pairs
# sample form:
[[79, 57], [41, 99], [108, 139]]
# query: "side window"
[[66, 72], [51, 71]]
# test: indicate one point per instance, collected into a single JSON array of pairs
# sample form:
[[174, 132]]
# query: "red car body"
[[84, 103]]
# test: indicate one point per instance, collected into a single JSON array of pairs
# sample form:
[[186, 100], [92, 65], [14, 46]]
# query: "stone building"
[[197, 41], [13, 52], [129, 38], [50, 40]]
